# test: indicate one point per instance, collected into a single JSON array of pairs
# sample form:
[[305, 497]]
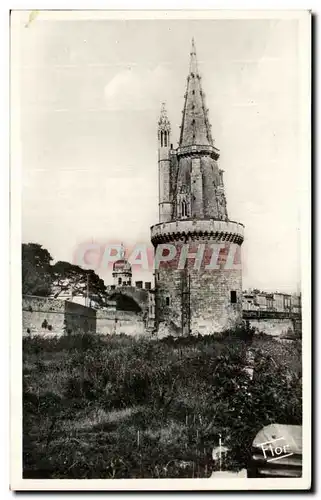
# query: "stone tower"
[[198, 273]]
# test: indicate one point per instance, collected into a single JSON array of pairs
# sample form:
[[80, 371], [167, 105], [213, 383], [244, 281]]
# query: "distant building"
[[278, 299], [253, 300], [122, 272], [269, 302], [296, 303], [75, 297], [287, 302], [248, 301], [261, 301]]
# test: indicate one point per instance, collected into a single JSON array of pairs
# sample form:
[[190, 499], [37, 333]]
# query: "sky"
[[90, 98]]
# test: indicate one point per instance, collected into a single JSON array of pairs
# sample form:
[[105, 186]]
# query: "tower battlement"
[[191, 230]]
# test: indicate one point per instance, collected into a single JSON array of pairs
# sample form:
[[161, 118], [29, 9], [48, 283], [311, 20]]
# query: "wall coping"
[[66, 306]]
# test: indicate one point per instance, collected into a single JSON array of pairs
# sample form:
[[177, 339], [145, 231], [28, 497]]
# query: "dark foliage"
[[116, 407], [36, 270]]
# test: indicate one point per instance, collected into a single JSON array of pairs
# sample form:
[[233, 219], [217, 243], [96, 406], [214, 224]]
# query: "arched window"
[[119, 281], [165, 139], [184, 208], [162, 138]]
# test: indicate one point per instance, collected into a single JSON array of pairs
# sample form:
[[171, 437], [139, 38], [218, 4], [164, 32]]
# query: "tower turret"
[[164, 167]]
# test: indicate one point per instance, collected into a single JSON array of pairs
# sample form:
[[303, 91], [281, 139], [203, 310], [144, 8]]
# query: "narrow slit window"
[[161, 138], [167, 301], [233, 297], [184, 208]]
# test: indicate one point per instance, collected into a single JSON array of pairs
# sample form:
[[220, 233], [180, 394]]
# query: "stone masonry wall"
[[48, 317], [53, 317], [164, 166], [79, 318], [210, 294], [197, 188], [210, 182], [201, 175], [274, 327], [38, 310], [118, 322]]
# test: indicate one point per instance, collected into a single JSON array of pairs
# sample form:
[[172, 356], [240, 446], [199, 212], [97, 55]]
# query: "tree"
[[77, 281], [36, 270]]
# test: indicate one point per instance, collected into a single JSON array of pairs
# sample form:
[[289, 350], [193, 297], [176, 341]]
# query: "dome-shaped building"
[[122, 273]]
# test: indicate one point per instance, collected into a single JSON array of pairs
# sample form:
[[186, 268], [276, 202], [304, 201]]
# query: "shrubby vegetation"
[[116, 407]]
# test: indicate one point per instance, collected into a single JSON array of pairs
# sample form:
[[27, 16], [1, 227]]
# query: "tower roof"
[[195, 129], [122, 265]]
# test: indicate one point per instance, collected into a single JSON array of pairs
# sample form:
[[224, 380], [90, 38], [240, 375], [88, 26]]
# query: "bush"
[[114, 406]]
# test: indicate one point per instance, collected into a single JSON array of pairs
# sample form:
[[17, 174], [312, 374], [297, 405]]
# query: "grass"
[[118, 407]]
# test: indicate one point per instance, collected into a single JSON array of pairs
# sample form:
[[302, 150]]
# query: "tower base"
[[200, 294]]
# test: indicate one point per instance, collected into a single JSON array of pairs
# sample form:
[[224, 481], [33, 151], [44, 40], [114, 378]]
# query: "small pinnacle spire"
[[122, 251], [163, 121], [193, 45], [163, 110]]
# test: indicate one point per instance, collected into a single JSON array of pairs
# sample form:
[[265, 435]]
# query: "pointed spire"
[[193, 61], [195, 128], [163, 110]]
